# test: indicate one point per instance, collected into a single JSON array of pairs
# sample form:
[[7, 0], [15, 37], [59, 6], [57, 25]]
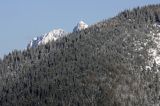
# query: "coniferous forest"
[[102, 65]]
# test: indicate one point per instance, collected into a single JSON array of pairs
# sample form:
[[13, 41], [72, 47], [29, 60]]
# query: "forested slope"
[[108, 64]]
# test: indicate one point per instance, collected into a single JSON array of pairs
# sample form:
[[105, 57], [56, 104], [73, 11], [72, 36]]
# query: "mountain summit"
[[80, 26], [48, 37]]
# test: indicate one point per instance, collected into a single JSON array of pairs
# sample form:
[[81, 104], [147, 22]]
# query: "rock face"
[[54, 35], [34, 42], [48, 37], [80, 26]]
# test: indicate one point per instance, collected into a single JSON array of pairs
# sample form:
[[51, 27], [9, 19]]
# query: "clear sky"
[[21, 20]]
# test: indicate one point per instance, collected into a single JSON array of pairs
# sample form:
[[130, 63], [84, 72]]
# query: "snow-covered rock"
[[48, 37], [54, 35], [80, 26], [34, 42]]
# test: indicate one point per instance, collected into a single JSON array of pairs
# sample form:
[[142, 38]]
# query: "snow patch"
[[148, 68], [154, 52], [156, 25]]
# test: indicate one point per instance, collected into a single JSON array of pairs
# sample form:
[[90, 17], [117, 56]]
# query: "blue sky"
[[21, 20]]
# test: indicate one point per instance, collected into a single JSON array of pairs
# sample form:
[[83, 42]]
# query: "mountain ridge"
[[54, 35]]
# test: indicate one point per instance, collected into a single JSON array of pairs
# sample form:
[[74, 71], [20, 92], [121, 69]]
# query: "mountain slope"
[[112, 63]]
